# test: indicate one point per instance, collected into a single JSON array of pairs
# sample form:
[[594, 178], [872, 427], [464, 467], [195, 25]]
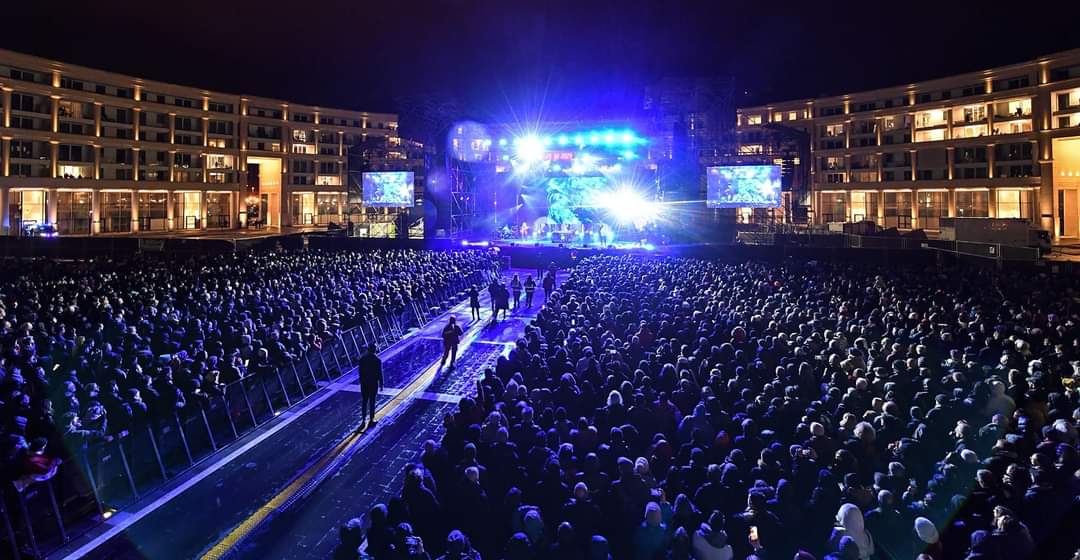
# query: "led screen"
[[388, 188], [744, 186]]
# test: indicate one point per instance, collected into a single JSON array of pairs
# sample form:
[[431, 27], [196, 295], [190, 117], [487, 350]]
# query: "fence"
[[99, 477]]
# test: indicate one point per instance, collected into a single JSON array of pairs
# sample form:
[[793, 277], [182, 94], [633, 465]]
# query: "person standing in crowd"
[[474, 303], [451, 337], [530, 290], [549, 284], [502, 300], [515, 286], [371, 381], [493, 288]]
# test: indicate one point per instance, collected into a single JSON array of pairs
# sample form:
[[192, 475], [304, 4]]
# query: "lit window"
[[930, 135], [930, 118], [328, 180], [834, 130], [219, 161], [972, 131], [750, 149], [777, 117], [753, 119], [792, 115], [303, 149], [215, 142]]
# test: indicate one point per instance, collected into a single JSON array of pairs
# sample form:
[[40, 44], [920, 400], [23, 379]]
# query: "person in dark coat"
[[530, 289], [371, 381], [451, 335], [474, 303]]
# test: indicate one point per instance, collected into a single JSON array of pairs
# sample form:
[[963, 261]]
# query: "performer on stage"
[[524, 230]]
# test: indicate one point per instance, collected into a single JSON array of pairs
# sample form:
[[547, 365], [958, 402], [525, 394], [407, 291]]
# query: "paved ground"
[[348, 473]]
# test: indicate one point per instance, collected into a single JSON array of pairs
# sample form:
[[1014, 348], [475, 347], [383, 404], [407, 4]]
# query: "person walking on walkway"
[[515, 286], [493, 288], [451, 336], [474, 303], [371, 381], [530, 289]]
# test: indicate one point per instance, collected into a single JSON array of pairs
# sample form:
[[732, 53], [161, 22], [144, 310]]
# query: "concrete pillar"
[[95, 212], [341, 143], [50, 205], [234, 210], [135, 164], [205, 131], [950, 198], [914, 165], [948, 124], [990, 119], [5, 159], [914, 210], [134, 212], [880, 207], [950, 159], [54, 156], [97, 162], [170, 204], [4, 202], [990, 159], [172, 128], [880, 166], [878, 122], [205, 167], [97, 119], [55, 108], [136, 116], [7, 107], [992, 202], [172, 164], [202, 210]]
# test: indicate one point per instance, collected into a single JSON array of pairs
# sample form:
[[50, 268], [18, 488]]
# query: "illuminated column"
[[877, 130], [205, 131], [172, 166], [880, 166], [135, 164], [169, 211], [54, 156], [341, 143], [97, 119], [847, 168], [7, 107], [950, 159], [205, 167], [992, 201], [948, 124], [880, 207], [50, 206], [6, 158], [990, 118], [847, 134], [990, 158], [134, 212], [137, 116], [202, 209], [172, 128], [55, 113], [97, 162], [914, 165], [234, 209], [4, 193], [95, 212], [952, 202]]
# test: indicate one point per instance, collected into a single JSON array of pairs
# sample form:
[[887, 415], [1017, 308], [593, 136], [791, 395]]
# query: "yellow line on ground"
[[245, 527]]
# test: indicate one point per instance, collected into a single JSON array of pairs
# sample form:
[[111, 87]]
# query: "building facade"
[[99, 153], [1003, 142]]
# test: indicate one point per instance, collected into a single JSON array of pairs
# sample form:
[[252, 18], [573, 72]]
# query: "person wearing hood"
[[598, 548], [650, 538], [458, 547], [982, 547], [710, 544], [847, 549], [850, 523]]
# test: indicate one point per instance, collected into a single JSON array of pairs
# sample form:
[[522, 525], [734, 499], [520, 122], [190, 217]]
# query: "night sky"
[[514, 59]]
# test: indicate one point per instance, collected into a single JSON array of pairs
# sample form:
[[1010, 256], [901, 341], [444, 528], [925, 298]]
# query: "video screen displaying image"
[[388, 188], [744, 186]]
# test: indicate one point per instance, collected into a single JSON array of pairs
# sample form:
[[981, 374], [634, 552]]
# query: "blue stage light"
[[502, 141], [517, 141], [609, 138], [563, 140], [579, 140], [628, 137], [547, 140], [594, 139], [628, 154]]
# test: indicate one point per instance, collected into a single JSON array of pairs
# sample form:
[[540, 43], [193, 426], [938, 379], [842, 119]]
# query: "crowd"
[[679, 408], [91, 348]]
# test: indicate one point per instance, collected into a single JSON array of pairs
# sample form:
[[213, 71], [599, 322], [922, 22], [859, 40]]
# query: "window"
[[219, 107], [898, 210], [750, 149], [24, 75], [22, 102], [1014, 203], [115, 212], [751, 120], [68, 83], [932, 206], [972, 204], [328, 180], [835, 207], [219, 161], [928, 119], [777, 117], [834, 129], [1013, 127], [931, 135], [216, 143], [863, 206], [21, 149], [219, 127], [792, 115], [73, 212], [969, 114], [970, 131]]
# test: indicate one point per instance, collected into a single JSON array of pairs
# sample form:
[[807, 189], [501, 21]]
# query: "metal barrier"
[[136, 461]]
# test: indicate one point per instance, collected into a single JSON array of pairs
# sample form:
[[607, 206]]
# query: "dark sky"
[[501, 59]]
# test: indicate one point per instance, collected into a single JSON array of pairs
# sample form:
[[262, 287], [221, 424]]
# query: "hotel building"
[[1003, 142], [98, 153]]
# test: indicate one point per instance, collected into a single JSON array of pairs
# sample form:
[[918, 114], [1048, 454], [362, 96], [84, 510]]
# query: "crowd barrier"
[[98, 478]]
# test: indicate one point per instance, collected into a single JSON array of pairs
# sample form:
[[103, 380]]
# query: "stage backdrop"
[[388, 189]]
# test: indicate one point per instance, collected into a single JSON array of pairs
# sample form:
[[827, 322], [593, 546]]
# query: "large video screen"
[[744, 186], [388, 188]]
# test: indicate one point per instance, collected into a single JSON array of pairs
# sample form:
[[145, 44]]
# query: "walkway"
[[283, 491]]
